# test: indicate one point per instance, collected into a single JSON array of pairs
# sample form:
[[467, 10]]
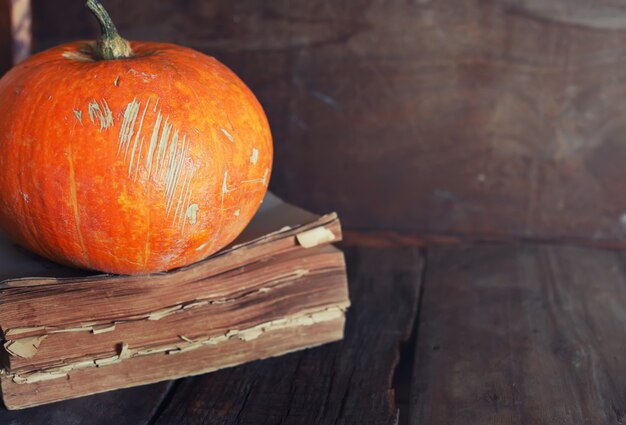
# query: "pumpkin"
[[128, 157]]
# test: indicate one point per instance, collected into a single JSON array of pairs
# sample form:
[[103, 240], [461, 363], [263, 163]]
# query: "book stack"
[[279, 288]]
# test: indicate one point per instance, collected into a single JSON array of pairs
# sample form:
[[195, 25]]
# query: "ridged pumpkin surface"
[[131, 165]]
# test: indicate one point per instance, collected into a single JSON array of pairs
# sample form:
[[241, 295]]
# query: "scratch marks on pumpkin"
[[192, 213], [180, 197], [191, 216], [225, 189], [165, 159], [254, 157], [227, 134], [100, 112], [162, 147], [175, 170], [262, 180], [74, 206], [137, 135], [201, 247], [117, 81], [265, 176], [153, 142], [185, 201], [128, 126], [167, 152], [79, 116], [146, 77], [237, 212], [77, 56]]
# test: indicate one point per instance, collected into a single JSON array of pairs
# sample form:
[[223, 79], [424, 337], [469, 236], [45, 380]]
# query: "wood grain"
[[133, 406], [466, 118], [521, 335], [343, 383]]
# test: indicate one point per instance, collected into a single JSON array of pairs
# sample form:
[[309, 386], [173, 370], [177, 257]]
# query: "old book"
[[279, 288]]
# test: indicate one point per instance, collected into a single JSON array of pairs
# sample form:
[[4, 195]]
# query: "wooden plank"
[[131, 406], [345, 382], [6, 39], [521, 335], [394, 239], [457, 117]]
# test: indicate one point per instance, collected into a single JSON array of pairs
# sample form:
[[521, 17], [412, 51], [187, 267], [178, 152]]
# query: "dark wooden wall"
[[6, 51], [475, 118]]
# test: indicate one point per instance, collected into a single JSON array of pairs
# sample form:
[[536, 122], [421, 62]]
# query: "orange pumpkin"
[[128, 157]]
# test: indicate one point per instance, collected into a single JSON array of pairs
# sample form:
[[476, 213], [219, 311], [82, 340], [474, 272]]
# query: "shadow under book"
[[279, 288]]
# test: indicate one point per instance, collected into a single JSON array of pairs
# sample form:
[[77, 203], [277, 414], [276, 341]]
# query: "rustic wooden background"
[[420, 121], [474, 119]]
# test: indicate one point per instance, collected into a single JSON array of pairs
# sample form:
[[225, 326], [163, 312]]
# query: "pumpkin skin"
[[132, 165]]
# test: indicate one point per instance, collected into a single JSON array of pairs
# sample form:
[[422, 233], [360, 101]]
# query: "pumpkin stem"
[[110, 44]]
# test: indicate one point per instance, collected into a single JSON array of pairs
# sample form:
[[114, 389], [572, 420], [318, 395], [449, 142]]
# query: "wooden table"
[[480, 334]]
